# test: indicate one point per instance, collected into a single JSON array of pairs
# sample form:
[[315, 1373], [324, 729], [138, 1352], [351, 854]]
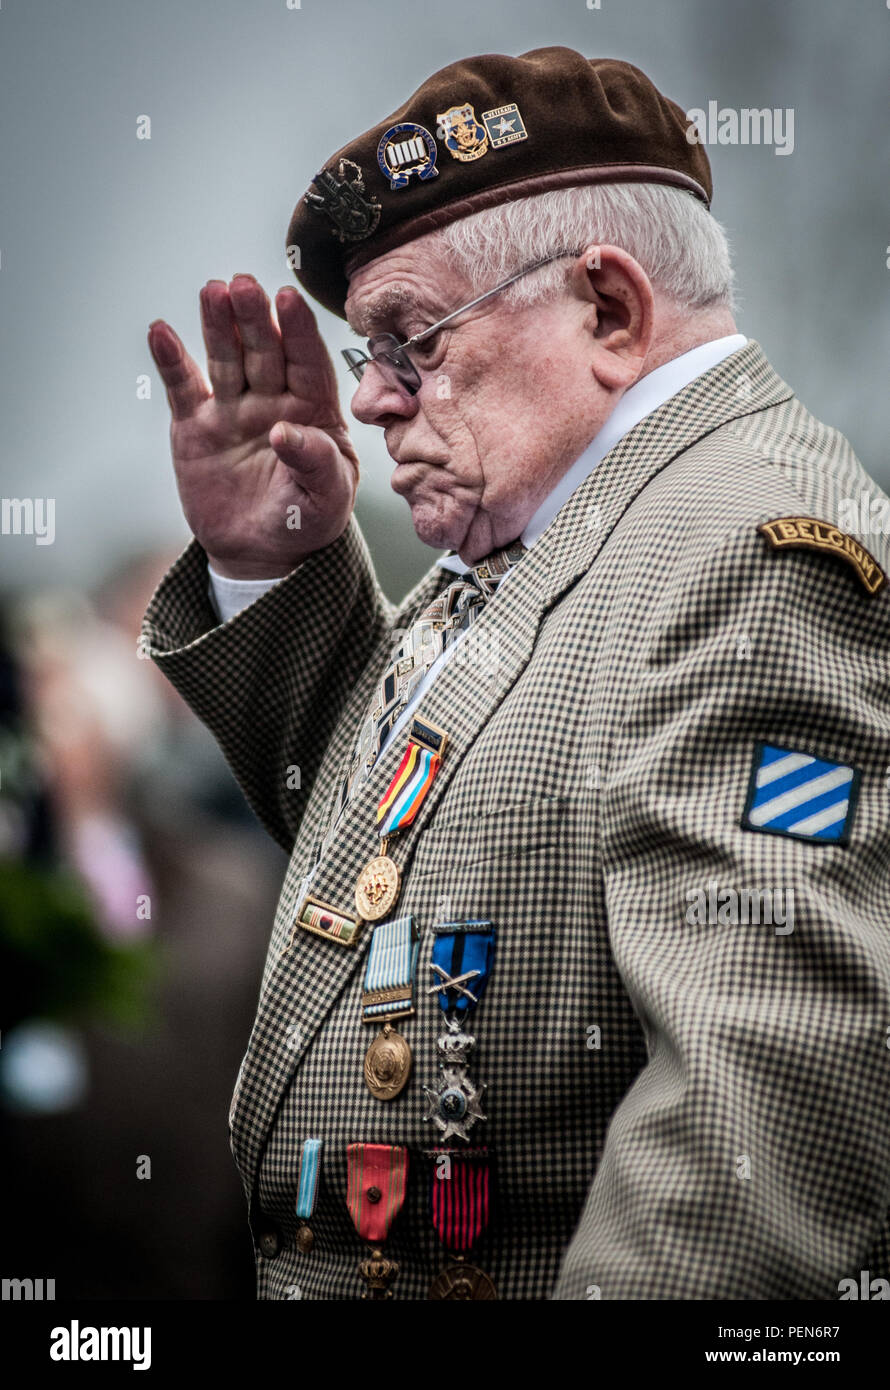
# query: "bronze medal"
[[462, 1282], [377, 888], [378, 1272], [387, 1064], [304, 1239]]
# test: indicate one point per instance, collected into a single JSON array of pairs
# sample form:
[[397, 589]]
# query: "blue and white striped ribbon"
[[392, 960], [307, 1188]]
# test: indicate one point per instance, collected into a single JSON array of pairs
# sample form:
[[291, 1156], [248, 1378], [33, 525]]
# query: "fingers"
[[243, 343], [261, 341], [304, 351], [225, 365], [180, 373], [244, 346]]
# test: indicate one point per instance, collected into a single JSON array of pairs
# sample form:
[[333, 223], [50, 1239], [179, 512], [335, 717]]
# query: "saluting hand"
[[268, 436]]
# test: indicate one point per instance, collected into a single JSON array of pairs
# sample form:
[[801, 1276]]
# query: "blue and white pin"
[[799, 795], [407, 149]]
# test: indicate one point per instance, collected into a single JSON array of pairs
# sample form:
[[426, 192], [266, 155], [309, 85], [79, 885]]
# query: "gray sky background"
[[100, 232]]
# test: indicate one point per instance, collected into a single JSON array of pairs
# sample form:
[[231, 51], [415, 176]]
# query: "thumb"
[[307, 451]]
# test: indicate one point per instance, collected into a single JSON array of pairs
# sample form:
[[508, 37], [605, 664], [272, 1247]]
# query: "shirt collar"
[[637, 402]]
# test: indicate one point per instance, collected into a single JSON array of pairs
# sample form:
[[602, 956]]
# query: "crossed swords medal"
[[455, 1102]]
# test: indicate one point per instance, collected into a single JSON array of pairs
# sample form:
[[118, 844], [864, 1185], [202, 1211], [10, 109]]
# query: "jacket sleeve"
[[750, 1159], [272, 682]]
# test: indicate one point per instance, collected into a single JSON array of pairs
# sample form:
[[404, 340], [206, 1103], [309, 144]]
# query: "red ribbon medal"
[[376, 1182]]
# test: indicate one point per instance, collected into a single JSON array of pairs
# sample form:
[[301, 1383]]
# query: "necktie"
[[440, 624]]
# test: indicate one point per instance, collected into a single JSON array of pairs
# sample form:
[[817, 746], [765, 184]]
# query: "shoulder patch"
[[814, 534], [797, 794]]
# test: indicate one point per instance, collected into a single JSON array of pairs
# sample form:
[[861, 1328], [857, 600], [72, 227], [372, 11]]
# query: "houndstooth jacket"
[[676, 1109]]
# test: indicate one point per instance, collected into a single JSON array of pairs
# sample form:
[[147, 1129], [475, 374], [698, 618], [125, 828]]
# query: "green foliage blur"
[[56, 963]]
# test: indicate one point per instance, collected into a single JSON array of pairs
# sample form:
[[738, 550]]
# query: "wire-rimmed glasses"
[[391, 355]]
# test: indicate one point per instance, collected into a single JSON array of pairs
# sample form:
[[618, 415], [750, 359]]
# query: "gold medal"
[[377, 887], [387, 1064], [462, 1282]]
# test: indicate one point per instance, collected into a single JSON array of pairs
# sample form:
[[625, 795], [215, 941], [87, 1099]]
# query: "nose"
[[376, 401]]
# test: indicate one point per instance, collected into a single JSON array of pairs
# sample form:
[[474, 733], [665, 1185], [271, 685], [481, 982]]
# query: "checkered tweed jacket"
[[729, 1138]]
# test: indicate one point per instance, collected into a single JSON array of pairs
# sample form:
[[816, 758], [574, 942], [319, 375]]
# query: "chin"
[[442, 533]]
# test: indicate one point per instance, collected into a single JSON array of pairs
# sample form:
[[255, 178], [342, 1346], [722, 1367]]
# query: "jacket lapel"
[[308, 979]]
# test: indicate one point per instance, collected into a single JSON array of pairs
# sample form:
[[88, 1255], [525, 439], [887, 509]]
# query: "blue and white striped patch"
[[796, 794]]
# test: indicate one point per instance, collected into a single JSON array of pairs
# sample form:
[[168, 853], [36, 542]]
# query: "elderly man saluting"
[[579, 984]]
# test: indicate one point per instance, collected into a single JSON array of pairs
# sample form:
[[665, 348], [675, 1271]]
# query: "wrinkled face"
[[506, 405]]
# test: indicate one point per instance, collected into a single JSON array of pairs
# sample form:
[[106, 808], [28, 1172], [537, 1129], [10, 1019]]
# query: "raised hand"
[[267, 440]]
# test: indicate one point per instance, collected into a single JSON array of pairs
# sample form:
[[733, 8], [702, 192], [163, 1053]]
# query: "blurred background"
[[123, 1026]]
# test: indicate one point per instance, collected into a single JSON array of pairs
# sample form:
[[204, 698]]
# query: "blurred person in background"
[[122, 953]]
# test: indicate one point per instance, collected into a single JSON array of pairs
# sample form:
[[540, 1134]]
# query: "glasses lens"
[[356, 361], [394, 362]]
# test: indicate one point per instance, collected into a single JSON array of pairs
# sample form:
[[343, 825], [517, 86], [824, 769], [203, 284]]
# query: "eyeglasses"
[[391, 356]]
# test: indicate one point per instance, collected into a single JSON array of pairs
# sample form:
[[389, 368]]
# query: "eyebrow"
[[382, 309]]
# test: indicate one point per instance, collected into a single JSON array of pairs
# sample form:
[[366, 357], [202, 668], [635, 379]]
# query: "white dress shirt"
[[230, 596]]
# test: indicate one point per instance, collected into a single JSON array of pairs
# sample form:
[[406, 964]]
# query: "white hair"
[[681, 247]]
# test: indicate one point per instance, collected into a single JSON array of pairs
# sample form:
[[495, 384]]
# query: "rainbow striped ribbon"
[[403, 797]]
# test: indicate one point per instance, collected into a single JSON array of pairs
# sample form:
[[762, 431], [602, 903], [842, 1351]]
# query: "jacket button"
[[270, 1241], [374, 1194]]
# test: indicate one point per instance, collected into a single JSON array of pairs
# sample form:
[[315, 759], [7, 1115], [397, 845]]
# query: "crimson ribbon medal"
[[459, 1196]]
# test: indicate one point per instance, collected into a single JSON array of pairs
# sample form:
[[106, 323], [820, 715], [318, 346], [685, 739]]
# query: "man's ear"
[[623, 312]]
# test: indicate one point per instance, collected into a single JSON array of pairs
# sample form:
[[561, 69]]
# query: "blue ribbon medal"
[[463, 954], [461, 962], [307, 1191]]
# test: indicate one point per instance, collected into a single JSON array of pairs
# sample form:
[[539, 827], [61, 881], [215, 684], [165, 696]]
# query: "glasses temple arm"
[[434, 328]]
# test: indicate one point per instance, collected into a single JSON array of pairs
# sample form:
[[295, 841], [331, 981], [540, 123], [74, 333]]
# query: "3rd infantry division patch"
[[820, 535], [797, 794]]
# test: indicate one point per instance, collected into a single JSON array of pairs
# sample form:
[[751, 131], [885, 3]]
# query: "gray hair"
[[681, 247]]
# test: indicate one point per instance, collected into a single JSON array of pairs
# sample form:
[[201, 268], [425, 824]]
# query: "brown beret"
[[479, 132]]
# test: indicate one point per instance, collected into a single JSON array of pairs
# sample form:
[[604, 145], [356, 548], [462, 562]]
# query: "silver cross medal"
[[454, 1104]]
